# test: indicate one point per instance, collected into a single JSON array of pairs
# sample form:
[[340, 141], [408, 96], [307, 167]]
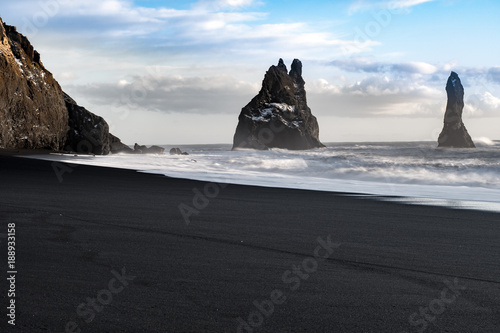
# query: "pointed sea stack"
[[454, 133], [278, 117]]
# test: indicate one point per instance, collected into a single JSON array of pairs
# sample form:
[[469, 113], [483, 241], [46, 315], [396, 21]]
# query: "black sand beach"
[[107, 250]]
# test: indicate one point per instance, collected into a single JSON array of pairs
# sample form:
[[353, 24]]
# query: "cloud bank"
[[222, 26], [384, 89]]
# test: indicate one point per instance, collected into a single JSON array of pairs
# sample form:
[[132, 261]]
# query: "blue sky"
[[173, 72]]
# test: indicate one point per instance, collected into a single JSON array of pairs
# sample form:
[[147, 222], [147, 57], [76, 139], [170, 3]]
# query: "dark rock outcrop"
[[32, 110], [88, 133], [138, 149], [177, 151], [278, 117], [454, 133], [117, 146]]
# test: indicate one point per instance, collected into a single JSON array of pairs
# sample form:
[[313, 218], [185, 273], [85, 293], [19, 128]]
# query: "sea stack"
[[454, 133], [278, 117]]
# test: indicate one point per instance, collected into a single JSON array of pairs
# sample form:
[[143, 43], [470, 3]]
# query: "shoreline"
[[473, 198], [236, 251]]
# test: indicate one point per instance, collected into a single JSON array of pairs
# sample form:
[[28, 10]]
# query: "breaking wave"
[[415, 169]]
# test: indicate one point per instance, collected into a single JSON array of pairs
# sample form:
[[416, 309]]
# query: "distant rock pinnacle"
[[278, 117], [454, 133]]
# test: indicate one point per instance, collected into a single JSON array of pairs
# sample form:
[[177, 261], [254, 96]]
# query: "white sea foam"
[[483, 141], [416, 170]]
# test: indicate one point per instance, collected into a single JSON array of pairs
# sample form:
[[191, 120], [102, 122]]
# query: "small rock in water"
[[138, 149], [177, 151]]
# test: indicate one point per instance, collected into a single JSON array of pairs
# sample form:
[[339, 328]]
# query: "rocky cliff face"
[[32, 110], [278, 117], [454, 133], [88, 133]]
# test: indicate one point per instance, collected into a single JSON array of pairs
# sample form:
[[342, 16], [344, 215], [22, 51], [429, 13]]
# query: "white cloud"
[[322, 86], [407, 89], [370, 66], [482, 104], [68, 76], [171, 94], [225, 4], [406, 3], [494, 74], [223, 94], [415, 67], [224, 26], [396, 6], [376, 95]]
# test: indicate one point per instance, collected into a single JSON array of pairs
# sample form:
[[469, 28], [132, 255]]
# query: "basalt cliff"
[[34, 111], [454, 133], [278, 117]]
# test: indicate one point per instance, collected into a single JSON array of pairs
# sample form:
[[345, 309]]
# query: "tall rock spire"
[[454, 133]]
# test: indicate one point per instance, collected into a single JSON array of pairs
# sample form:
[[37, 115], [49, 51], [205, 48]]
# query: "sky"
[[179, 72]]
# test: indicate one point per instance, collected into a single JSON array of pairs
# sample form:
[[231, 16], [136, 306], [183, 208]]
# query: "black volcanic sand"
[[394, 270]]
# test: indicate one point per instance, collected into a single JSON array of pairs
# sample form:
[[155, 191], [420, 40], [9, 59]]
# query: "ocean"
[[409, 172]]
